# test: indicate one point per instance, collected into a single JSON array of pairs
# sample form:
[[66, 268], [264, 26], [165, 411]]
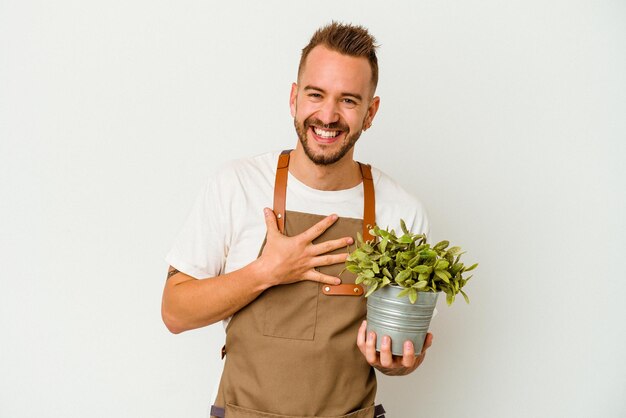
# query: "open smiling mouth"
[[325, 135]]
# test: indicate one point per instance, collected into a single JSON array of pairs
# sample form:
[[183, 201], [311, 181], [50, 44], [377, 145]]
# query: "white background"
[[506, 118]]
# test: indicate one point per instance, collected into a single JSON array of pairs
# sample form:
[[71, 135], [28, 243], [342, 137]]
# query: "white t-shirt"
[[226, 227]]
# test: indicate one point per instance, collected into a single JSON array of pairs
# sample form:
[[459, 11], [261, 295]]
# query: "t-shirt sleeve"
[[201, 247], [418, 222], [393, 203]]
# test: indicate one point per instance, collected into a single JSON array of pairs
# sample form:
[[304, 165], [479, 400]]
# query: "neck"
[[344, 174]]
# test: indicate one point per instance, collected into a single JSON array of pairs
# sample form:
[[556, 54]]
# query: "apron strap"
[[280, 193], [280, 189], [369, 201]]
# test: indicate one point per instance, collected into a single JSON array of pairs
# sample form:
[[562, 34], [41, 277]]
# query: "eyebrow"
[[343, 94]]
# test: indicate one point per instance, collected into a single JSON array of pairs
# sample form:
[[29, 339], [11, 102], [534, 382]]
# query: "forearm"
[[189, 303]]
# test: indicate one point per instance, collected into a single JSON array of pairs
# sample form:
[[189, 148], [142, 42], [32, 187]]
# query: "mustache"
[[335, 126]]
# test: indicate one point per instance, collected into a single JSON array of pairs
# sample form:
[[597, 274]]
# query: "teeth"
[[325, 134]]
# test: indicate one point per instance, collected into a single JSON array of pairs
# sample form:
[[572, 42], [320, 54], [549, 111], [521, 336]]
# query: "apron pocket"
[[291, 310], [233, 411]]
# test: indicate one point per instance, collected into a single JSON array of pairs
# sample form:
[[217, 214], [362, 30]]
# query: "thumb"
[[270, 220]]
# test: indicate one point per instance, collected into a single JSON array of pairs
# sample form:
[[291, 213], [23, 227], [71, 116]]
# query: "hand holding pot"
[[386, 362]]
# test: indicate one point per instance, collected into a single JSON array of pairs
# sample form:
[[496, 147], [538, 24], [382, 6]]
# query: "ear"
[[371, 112], [293, 96]]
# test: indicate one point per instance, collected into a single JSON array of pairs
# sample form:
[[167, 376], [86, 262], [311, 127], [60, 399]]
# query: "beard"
[[322, 158]]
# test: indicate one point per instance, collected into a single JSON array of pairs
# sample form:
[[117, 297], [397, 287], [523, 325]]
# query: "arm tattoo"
[[172, 272]]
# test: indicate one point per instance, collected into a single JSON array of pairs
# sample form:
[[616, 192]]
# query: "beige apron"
[[292, 352]]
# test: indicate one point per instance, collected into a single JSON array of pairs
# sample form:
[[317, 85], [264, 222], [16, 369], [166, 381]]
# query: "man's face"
[[332, 104]]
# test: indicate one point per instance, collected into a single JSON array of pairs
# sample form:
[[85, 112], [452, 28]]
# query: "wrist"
[[261, 274]]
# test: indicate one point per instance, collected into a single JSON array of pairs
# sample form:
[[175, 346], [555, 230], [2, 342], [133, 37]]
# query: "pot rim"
[[402, 287]]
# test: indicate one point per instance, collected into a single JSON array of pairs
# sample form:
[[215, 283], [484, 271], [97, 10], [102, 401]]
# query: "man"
[[296, 342]]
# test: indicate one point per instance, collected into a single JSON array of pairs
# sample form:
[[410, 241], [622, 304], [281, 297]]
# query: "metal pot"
[[398, 318]]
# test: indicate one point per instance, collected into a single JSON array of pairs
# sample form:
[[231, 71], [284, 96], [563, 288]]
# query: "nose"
[[328, 112]]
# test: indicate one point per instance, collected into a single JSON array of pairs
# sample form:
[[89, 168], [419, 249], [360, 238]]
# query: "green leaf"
[[365, 264], [359, 238], [423, 269], [420, 285], [385, 282], [383, 245], [359, 279], [404, 292], [420, 238], [371, 289], [386, 273], [403, 226], [442, 276], [441, 265], [442, 245], [449, 298], [423, 277], [472, 267], [404, 274], [360, 255], [375, 268], [414, 261], [405, 239], [454, 251], [368, 249], [426, 253], [352, 268], [412, 295], [368, 273], [456, 268], [465, 296], [405, 256]]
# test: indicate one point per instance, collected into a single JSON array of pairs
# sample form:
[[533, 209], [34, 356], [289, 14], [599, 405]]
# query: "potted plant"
[[404, 276]]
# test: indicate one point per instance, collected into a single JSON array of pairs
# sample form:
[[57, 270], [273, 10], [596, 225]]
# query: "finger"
[[427, 342], [270, 220], [331, 245], [328, 260], [386, 358], [316, 276], [360, 338], [370, 348], [408, 354], [318, 229]]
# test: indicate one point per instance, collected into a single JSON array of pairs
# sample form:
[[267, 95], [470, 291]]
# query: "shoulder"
[[241, 185], [395, 202], [262, 165], [244, 174], [391, 192]]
